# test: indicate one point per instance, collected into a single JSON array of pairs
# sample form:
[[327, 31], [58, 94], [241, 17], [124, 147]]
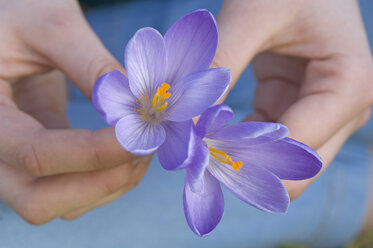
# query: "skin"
[[314, 76]]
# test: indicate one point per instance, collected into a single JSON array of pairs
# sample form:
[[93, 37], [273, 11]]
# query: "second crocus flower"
[[248, 158]]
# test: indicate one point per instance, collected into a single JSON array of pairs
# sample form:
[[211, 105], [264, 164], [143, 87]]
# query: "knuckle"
[[33, 212], [350, 78], [28, 158]]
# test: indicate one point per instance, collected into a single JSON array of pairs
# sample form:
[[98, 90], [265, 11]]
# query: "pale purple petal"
[[286, 158], [250, 133], [196, 92], [178, 148], [191, 44], [137, 136], [203, 210], [145, 61], [213, 119], [256, 186], [198, 164], [112, 98]]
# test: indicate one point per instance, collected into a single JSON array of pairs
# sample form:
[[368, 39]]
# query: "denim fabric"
[[328, 214]]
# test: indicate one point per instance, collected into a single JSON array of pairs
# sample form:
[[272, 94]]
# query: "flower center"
[[224, 158], [152, 110]]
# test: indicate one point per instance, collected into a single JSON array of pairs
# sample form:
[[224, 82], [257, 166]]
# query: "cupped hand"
[[47, 170], [313, 66]]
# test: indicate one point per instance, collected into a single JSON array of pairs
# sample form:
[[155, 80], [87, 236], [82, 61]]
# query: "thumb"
[[247, 28], [70, 44]]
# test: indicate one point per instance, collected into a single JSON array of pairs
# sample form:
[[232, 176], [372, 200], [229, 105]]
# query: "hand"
[[47, 170], [314, 68]]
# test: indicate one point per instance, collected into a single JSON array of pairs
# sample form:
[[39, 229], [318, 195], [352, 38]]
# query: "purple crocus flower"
[[248, 158], [168, 84]]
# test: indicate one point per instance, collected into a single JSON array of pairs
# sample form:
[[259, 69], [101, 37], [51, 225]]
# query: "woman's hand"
[[313, 66], [47, 170]]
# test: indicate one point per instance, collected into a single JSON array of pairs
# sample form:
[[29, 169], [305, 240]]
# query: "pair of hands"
[[313, 68]]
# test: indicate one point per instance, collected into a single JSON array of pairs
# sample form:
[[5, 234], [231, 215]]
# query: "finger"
[[309, 97], [39, 200], [44, 152], [71, 45], [246, 29], [44, 97], [328, 152], [279, 80], [134, 180], [335, 91]]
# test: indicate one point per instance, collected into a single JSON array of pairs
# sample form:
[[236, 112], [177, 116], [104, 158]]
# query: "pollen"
[[151, 109], [225, 158], [159, 98]]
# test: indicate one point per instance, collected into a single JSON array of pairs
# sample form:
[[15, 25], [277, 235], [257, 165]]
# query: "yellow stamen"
[[149, 108], [161, 95], [155, 100], [224, 158], [166, 86], [162, 107]]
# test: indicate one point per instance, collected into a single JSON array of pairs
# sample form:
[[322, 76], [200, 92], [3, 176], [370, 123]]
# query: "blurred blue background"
[[152, 214]]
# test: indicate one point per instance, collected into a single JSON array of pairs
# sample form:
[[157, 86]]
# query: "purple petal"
[[145, 61], [196, 92], [286, 158], [178, 148], [213, 119], [256, 186], [191, 44], [250, 133], [137, 136], [203, 210], [198, 165], [112, 98]]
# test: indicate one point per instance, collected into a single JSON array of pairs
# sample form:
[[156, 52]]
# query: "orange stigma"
[[224, 158]]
